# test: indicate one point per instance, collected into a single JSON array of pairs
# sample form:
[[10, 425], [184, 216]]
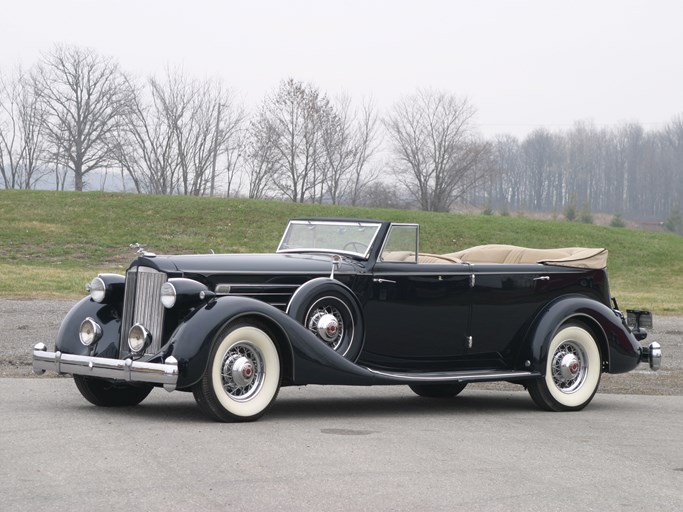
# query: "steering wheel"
[[356, 246]]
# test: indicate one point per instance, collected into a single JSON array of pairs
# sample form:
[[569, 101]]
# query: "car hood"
[[205, 264]]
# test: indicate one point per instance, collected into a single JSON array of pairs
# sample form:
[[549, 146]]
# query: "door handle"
[[380, 280], [542, 278]]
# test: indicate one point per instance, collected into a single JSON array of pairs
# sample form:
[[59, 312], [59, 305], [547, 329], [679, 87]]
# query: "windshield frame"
[[331, 223]]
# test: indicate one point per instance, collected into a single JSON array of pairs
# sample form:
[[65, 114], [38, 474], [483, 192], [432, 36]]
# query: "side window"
[[401, 243]]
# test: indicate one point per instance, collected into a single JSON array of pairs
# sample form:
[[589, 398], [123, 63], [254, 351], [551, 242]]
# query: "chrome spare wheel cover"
[[569, 367], [327, 323], [243, 371]]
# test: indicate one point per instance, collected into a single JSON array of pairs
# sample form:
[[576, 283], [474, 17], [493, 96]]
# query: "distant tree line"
[[75, 113], [624, 170]]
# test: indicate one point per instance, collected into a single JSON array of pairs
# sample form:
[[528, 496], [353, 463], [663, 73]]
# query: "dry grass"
[[52, 243]]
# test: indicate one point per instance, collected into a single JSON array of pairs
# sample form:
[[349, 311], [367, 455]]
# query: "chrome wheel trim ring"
[[242, 371], [569, 367]]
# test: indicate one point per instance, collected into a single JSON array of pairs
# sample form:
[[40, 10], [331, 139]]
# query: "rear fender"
[[620, 351]]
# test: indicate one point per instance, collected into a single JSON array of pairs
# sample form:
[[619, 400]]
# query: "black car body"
[[353, 302]]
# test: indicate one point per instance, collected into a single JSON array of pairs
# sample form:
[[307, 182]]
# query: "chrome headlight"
[[180, 292], [106, 288], [168, 295], [89, 332], [97, 289], [139, 338]]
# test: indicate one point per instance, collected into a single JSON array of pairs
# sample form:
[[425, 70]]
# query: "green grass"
[[52, 243]]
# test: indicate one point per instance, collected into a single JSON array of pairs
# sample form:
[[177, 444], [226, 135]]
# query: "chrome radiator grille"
[[141, 305]]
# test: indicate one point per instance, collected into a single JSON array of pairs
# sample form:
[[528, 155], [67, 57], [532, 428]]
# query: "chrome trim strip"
[[257, 285], [117, 369], [445, 272], [464, 376]]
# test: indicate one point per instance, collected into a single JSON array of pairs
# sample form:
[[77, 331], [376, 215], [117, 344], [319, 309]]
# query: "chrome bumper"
[[652, 354], [119, 369]]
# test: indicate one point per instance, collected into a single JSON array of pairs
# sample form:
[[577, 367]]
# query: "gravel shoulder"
[[23, 323]]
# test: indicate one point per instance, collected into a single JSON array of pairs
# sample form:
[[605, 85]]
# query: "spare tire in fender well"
[[322, 299]]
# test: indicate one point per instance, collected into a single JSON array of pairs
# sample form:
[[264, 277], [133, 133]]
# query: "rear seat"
[[581, 257]]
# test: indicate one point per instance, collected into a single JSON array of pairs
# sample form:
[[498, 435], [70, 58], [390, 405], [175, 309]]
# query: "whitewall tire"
[[242, 377], [572, 371]]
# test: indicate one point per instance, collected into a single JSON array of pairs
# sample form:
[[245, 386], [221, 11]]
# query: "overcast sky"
[[522, 63]]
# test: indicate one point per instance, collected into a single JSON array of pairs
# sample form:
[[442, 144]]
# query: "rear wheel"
[[572, 371], [442, 390], [109, 394], [243, 375]]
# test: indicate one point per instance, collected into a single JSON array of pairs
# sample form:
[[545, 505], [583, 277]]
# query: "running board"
[[461, 376]]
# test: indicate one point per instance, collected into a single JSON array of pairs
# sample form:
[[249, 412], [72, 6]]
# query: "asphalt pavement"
[[339, 448]]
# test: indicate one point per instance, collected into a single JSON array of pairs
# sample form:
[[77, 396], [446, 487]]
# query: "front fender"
[[106, 315], [305, 359], [619, 349]]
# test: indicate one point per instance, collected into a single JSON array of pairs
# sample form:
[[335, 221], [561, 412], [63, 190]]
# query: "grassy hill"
[[52, 243]]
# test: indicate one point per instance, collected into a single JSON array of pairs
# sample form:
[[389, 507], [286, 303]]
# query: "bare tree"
[[198, 112], [542, 154], [21, 138], [438, 154], [262, 157], [85, 97], [384, 195], [673, 134], [367, 144], [146, 146], [181, 135], [503, 188], [231, 132], [292, 120], [234, 149], [349, 142]]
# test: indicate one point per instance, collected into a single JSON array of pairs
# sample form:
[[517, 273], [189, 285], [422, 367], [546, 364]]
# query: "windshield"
[[343, 237]]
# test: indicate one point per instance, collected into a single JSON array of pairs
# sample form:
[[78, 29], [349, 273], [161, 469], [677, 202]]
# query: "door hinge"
[[473, 279], [469, 341]]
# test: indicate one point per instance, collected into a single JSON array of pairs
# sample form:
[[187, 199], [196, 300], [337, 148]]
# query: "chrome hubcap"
[[569, 367], [328, 324], [242, 371], [328, 327]]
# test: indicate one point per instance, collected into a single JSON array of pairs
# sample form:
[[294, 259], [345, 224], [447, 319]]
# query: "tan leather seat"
[[580, 257], [510, 254]]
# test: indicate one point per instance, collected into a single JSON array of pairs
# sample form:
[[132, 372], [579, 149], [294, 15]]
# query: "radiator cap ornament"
[[140, 250]]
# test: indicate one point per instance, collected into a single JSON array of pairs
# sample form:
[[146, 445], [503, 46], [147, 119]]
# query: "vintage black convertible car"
[[352, 302]]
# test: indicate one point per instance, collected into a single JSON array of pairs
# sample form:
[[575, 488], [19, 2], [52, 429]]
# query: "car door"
[[505, 301], [417, 315]]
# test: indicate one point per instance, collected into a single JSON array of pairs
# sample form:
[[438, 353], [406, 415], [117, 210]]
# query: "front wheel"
[[572, 371], [109, 394], [242, 377]]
